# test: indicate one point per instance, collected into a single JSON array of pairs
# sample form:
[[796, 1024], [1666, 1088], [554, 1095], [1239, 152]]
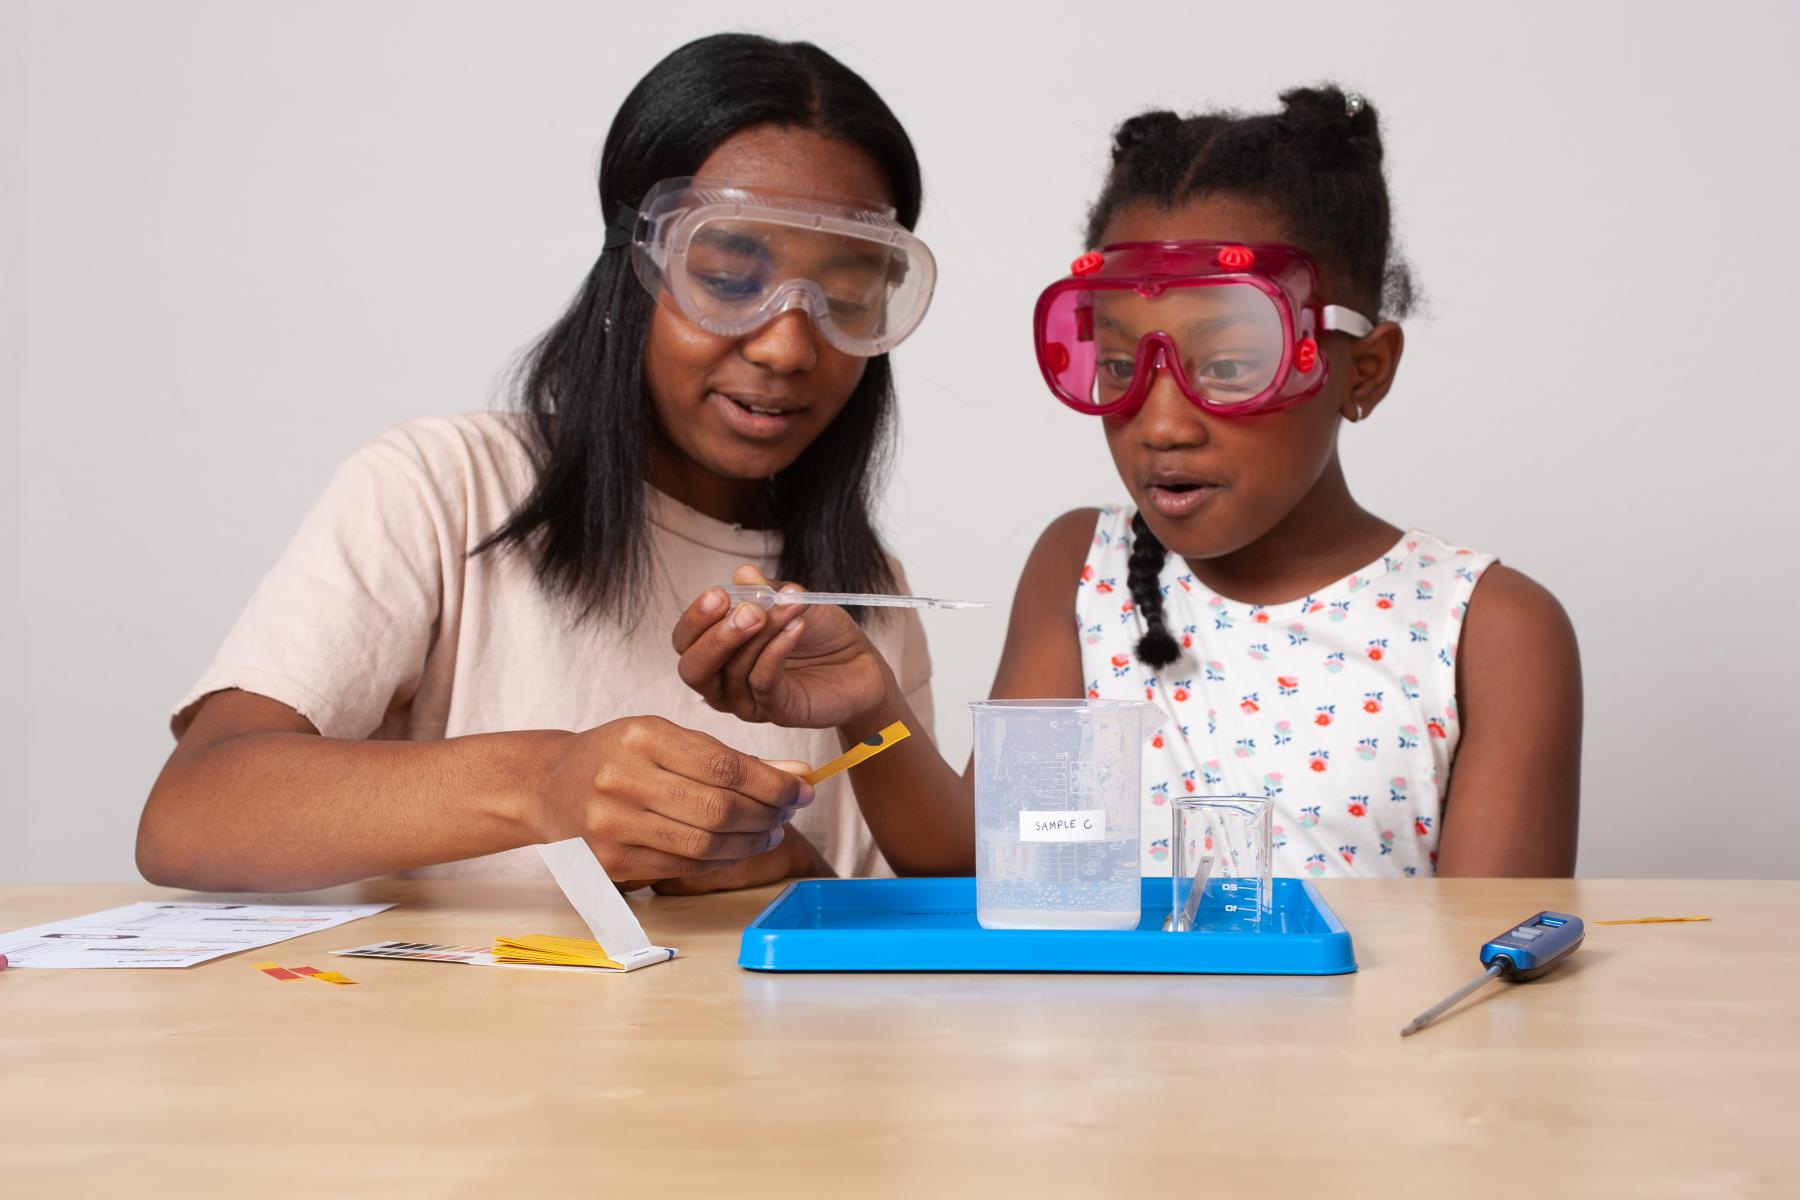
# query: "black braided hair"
[[1316, 163], [1158, 647]]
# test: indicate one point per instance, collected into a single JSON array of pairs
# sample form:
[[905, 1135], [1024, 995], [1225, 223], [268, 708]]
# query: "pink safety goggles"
[[1236, 325]]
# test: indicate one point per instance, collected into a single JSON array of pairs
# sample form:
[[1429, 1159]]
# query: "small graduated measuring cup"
[[1056, 812], [1221, 865]]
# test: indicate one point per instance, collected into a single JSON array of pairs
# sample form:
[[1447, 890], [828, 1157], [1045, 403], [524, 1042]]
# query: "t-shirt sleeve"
[[340, 628]]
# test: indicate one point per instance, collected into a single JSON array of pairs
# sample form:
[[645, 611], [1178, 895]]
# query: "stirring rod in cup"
[[1191, 909], [764, 596], [861, 752]]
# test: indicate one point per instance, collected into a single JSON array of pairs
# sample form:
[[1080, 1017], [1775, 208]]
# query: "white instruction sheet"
[[170, 933]]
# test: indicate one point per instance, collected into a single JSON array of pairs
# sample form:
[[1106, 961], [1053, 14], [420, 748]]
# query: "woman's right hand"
[[658, 801], [805, 667]]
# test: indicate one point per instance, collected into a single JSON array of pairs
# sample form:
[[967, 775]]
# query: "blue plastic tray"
[[929, 925]]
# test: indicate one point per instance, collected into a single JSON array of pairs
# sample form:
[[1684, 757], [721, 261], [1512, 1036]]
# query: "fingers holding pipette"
[[808, 667], [712, 615], [712, 634]]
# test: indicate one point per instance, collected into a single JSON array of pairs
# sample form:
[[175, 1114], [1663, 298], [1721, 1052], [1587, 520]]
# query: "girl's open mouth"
[[756, 416], [1178, 499]]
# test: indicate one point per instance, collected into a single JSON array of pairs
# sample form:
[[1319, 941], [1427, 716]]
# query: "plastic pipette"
[[1527, 951], [764, 596]]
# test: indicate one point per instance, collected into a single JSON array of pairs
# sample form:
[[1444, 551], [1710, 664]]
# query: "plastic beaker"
[[1056, 812], [1221, 847]]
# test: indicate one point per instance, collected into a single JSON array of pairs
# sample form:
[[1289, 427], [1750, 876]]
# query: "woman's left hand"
[[794, 858], [803, 666]]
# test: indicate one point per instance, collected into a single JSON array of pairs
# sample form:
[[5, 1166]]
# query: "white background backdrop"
[[237, 240]]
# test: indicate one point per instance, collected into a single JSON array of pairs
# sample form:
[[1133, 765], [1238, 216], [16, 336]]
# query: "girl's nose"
[[1168, 419], [785, 345]]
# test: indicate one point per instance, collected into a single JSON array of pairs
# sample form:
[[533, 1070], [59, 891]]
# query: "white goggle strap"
[[1345, 320]]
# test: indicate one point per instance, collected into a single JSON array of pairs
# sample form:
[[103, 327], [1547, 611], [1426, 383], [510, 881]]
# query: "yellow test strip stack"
[[542, 950]]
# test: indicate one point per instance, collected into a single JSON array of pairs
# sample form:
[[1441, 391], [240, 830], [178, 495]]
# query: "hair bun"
[[1142, 129], [1338, 128]]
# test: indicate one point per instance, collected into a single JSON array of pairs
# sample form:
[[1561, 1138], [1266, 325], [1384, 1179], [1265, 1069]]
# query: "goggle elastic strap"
[[623, 229], [1346, 320]]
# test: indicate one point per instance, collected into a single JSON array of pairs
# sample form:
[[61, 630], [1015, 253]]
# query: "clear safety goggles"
[[1237, 326], [731, 257]]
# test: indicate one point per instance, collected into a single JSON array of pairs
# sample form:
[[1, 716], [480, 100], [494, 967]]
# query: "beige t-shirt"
[[376, 623]]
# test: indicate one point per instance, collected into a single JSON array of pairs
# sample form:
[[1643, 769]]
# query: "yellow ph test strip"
[[861, 752], [324, 976], [545, 951], [275, 970]]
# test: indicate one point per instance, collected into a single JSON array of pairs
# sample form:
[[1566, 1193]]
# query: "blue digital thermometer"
[[1531, 948]]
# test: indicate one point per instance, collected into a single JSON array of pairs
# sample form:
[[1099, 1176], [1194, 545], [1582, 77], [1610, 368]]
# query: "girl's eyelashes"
[[1224, 373], [1116, 369], [730, 287], [736, 288], [1230, 372]]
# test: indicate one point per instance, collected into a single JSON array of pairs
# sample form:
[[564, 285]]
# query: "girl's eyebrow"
[[734, 243], [1197, 328], [1210, 325], [870, 261], [1114, 325]]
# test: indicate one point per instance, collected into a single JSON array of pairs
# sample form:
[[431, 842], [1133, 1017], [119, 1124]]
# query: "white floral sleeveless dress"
[[1340, 706]]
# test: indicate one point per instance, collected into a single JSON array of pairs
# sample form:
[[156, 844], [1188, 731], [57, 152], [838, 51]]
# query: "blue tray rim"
[[1327, 952]]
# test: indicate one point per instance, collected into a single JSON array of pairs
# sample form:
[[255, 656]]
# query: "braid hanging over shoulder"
[[1158, 647]]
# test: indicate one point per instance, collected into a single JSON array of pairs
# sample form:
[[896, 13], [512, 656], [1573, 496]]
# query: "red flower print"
[[1288, 681], [1436, 728], [1087, 573], [1322, 719], [1249, 706], [1371, 706], [1093, 693], [1190, 784], [1374, 653], [1261, 618], [1181, 693], [1318, 764], [1103, 587], [1187, 641], [1357, 810], [1121, 660]]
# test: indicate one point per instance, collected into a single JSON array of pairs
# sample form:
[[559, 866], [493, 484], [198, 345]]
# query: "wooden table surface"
[[1662, 1060]]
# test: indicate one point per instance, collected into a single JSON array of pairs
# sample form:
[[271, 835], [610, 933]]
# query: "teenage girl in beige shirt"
[[465, 649]]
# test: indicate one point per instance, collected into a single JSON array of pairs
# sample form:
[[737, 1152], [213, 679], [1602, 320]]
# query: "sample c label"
[[1079, 825]]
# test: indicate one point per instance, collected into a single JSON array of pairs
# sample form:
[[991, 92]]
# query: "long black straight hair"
[[583, 383]]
